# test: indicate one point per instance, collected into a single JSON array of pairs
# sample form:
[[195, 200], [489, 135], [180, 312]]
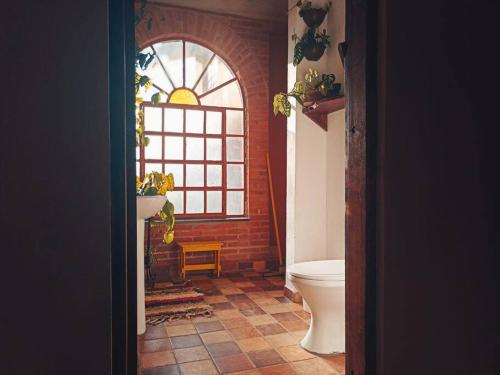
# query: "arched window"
[[197, 131]]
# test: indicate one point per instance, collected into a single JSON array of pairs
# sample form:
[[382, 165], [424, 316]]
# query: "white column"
[[141, 309]]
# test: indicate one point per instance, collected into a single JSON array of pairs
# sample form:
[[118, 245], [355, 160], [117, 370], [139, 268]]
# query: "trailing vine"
[[154, 183]]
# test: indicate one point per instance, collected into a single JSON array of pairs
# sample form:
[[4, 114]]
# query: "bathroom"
[[283, 203], [421, 193]]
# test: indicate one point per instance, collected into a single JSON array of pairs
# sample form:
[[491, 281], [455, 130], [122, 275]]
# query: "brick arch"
[[178, 23]]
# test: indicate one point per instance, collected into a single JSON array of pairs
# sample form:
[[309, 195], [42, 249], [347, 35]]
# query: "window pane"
[[216, 74], [153, 150], [227, 96], [214, 149], [152, 119], [214, 121], [183, 96], [170, 54], [197, 58], [214, 175], [137, 169], [235, 173], [194, 148], [234, 148], [194, 121], [178, 171], [177, 199], [195, 175], [155, 73], [234, 122], [214, 201], [152, 167], [174, 147], [195, 202], [173, 120], [235, 203]]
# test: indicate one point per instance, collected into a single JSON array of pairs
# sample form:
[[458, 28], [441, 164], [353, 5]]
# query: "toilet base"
[[327, 337], [326, 300]]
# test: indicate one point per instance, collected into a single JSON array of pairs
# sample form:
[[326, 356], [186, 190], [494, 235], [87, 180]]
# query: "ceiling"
[[275, 10]]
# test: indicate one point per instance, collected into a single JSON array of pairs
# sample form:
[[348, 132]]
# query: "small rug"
[[173, 303]]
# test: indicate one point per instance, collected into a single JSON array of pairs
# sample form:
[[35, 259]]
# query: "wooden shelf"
[[318, 111]]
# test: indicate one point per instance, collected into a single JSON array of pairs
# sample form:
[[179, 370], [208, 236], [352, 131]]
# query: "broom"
[[281, 268]]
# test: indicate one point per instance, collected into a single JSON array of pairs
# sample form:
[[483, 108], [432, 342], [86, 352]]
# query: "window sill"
[[207, 220]]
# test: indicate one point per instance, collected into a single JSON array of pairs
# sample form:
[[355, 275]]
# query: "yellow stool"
[[196, 247]]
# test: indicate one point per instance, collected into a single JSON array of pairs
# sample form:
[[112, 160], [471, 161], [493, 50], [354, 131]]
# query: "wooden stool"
[[195, 247]]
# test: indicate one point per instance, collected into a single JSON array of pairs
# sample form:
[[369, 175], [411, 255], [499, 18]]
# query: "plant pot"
[[313, 17], [334, 91], [314, 52], [312, 97]]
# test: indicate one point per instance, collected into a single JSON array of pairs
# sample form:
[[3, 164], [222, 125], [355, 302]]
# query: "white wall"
[[315, 158], [336, 151], [335, 177]]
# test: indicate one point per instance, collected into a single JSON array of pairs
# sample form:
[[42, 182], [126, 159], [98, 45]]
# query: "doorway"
[[359, 197]]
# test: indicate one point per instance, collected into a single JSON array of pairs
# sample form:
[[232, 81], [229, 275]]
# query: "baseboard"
[[292, 296]]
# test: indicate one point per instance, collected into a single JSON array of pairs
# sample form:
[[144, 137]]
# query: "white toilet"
[[322, 286]]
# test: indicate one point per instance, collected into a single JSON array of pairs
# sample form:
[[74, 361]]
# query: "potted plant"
[[311, 45], [313, 88], [151, 199], [313, 17], [152, 191]]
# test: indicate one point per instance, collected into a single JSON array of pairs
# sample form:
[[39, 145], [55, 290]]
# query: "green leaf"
[[150, 191], [148, 61], [143, 80], [155, 98], [168, 237], [281, 104], [298, 54], [169, 207]]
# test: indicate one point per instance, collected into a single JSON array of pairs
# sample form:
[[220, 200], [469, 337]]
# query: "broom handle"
[[273, 205]]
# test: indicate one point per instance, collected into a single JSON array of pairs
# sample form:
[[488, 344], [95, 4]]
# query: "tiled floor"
[[255, 330]]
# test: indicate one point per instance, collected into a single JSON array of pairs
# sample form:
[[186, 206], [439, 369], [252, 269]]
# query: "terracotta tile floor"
[[254, 330]]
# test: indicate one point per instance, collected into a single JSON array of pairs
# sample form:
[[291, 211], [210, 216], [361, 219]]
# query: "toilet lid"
[[327, 270]]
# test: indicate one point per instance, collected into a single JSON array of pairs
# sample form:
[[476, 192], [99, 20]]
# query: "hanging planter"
[[312, 45], [313, 17], [314, 52]]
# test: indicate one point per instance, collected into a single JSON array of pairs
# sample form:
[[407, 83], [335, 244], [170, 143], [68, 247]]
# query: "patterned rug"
[[173, 303]]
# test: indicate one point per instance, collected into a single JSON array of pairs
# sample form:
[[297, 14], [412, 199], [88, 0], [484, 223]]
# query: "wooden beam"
[[360, 66]]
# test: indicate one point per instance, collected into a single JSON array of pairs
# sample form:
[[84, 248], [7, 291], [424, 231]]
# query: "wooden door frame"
[[361, 187], [121, 63]]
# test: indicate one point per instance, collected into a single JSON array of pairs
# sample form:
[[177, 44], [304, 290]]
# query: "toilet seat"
[[320, 270]]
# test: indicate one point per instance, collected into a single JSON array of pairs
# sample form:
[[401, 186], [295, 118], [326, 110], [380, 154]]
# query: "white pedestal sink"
[[146, 207]]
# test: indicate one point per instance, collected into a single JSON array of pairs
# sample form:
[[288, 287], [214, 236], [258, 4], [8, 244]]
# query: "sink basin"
[[146, 207]]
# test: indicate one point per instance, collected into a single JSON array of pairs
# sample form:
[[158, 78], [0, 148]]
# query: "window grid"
[[184, 161]]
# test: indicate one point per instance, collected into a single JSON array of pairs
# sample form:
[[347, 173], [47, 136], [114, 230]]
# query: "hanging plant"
[[313, 88], [311, 45], [142, 61], [313, 17]]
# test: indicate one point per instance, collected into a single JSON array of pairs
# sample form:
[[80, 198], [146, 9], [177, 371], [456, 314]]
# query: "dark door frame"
[[361, 190], [123, 201]]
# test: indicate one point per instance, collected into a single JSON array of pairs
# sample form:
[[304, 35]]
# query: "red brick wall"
[[245, 45]]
